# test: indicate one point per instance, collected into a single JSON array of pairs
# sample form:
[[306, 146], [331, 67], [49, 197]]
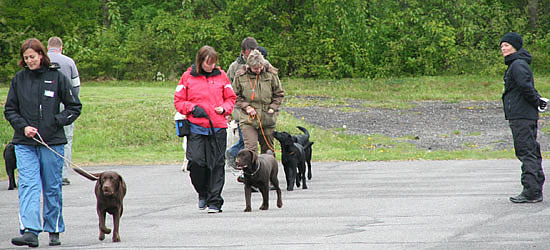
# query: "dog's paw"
[[101, 236], [106, 230], [279, 204], [116, 238], [262, 207], [247, 209]]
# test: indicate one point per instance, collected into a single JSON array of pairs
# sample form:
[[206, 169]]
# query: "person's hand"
[[250, 110], [198, 112], [219, 110], [30, 131], [270, 111], [543, 104]]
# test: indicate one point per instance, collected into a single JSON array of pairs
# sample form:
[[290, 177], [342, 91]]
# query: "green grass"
[[132, 122]]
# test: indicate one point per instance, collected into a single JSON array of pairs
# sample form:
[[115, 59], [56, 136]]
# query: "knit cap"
[[513, 39]]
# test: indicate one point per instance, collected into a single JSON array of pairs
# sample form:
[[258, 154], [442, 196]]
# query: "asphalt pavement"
[[349, 205]]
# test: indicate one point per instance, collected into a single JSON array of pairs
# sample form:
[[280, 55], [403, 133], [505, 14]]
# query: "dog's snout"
[[107, 187]]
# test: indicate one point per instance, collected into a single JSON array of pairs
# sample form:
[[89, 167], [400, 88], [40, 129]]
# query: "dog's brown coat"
[[259, 171], [110, 190]]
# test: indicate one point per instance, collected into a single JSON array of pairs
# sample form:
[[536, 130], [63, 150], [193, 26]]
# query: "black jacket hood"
[[216, 71], [520, 54]]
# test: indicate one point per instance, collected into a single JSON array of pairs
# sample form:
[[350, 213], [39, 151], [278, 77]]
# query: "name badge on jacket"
[[48, 93]]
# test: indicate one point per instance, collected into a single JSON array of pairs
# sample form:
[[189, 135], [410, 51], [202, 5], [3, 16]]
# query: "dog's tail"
[[304, 130], [308, 145], [85, 174]]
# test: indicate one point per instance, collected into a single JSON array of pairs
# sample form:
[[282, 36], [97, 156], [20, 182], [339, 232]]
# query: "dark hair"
[[205, 51], [249, 43], [37, 46]]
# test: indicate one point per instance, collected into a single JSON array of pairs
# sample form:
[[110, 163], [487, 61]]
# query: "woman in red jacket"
[[205, 96]]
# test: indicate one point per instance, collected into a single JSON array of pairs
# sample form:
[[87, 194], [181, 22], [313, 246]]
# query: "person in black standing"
[[522, 104]]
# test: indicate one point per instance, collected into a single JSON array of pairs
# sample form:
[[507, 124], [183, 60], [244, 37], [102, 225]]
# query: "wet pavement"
[[349, 205]]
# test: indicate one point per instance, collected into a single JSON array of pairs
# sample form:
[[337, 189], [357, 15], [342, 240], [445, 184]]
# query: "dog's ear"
[[253, 156], [122, 184], [99, 176]]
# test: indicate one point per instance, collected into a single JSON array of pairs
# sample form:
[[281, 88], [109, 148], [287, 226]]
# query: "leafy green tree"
[[116, 39]]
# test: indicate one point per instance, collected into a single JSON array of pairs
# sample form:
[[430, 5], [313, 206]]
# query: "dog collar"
[[257, 168]]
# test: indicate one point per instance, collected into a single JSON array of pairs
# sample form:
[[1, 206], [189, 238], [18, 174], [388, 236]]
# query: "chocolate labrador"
[[110, 190], [259, 171], [11, 165]]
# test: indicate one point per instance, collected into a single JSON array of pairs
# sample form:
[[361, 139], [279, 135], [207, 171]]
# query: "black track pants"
[[206, 166], [528, 152]]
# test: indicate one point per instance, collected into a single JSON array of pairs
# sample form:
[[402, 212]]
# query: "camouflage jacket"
[[262, 92]]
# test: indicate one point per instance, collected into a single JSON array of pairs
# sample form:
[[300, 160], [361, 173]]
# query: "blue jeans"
[[40, 173], [234, 150]]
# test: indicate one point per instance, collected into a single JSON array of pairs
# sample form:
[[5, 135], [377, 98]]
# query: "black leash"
[[220, 153]]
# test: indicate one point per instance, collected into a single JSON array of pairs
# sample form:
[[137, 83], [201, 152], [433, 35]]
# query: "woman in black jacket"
[[522, 103], [32, 108]]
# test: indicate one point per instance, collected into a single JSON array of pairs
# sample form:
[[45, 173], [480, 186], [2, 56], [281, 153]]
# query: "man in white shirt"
[[68, 68]]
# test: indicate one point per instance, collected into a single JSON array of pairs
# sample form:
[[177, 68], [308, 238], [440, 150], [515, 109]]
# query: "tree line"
[[133, 40]]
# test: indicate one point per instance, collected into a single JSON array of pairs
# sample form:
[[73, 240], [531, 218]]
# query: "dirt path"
[[430, 125]]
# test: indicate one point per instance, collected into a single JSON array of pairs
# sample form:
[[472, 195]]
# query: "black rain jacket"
[[33, 100], [520, 98]]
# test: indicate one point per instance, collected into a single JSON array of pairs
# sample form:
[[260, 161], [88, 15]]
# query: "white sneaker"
[[213, 210]]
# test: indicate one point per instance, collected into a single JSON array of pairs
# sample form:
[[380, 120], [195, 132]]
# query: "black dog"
[[258, 172], [293, 160], [11, 164], [304, 141]]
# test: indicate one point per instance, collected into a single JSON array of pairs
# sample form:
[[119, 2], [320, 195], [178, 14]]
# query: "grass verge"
[[132, 122]]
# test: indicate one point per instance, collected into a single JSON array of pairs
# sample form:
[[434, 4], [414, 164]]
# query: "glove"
[[198, 112], [543, 104]]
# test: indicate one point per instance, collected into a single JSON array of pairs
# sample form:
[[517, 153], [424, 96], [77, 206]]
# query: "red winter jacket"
[[209, 91]]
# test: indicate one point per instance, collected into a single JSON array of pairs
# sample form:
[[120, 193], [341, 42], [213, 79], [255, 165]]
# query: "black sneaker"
[[521, 198], [54, 239], [65, 181], [28, 238]]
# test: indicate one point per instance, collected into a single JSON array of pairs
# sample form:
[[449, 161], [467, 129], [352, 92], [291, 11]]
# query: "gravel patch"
[[432, 125]]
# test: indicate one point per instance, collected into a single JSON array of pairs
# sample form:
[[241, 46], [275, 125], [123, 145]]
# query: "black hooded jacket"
[[33, 100], [520, 98]]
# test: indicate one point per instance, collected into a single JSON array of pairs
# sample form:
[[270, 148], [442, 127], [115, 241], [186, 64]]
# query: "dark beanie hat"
[[513, 39]]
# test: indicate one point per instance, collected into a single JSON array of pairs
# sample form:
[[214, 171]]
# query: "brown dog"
[[110, 190], [258, 172]]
